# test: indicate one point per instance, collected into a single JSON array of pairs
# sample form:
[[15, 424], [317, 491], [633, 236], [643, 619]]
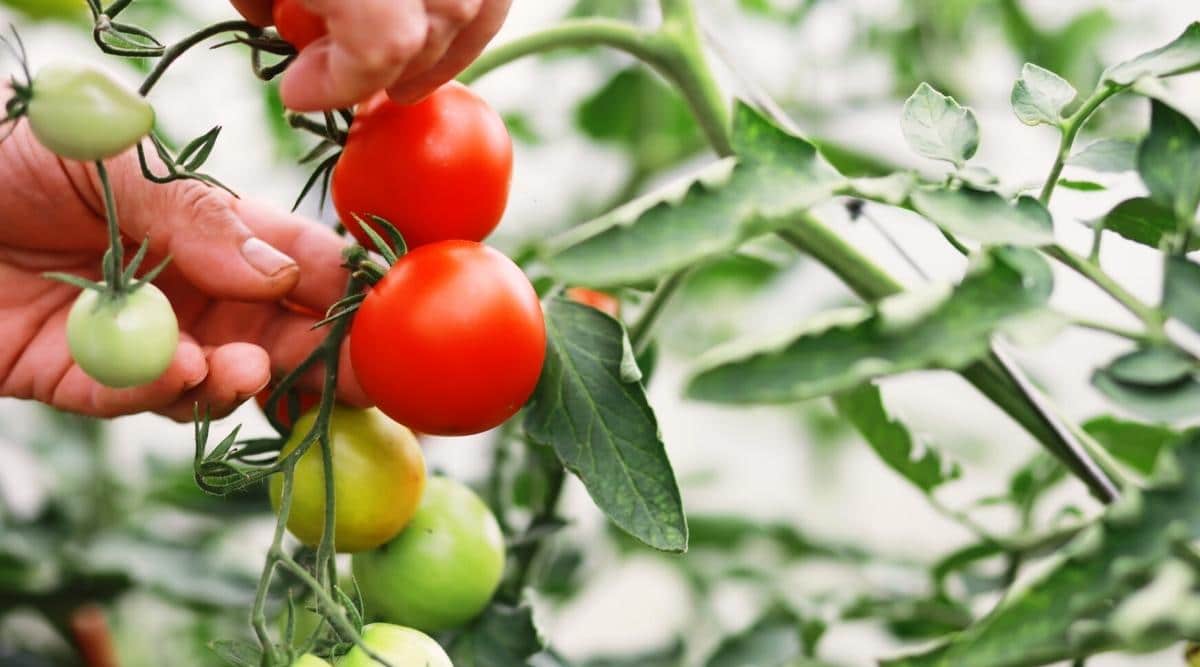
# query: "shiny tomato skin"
[[379, 479], [82, 112], [436, 170], [451, 341], [296, 24], [125, 341], [400, 646], [601, 301]]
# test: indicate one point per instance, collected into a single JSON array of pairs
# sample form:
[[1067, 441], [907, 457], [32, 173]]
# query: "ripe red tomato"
[[451, 341], [601, 301], [297, 24], [436, 170], [308, 401]]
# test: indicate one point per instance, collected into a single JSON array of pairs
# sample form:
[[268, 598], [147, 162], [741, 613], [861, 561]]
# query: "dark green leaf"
[[1178, 57], [1133, 443], [670, 656], [1040, 96], [938, 128], [1168, 161], [930, 329], [1141, 220], [776, 178], [1167, 404], [1181, 291], [502, 637], [774, 641], [591, 407], [1107, 156], [1152, 367], [986, 216], [892, 441], [913, 618]]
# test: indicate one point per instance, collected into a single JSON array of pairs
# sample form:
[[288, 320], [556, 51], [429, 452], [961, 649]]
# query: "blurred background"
[[788, 507]]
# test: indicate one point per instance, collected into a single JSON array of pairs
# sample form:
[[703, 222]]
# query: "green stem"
[[1070, 130], [639, 333], [116, 249], [573, 33], [172, 54], [1138, 337], [1149, 316]]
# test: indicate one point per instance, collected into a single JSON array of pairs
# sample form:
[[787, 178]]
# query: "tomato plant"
[[401, 647], [123, 341], [424, 343], [436, 170], [67, 102], [381, 474], [297, 24], [305, 401], [310, 660], [443, 569]]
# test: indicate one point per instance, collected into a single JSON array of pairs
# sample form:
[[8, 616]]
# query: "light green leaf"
[[1169, 160], [597, 418], [1178, 57], [893, 189], [1170, 403], [986, 216], [1181, 291], [1081, 186], [1141, 220], [939, 128], [776, 177], [1040, 96], [1108, 156], [914, 460], [842, 350], [1156, 366], [1093, 598], [1133, 443]]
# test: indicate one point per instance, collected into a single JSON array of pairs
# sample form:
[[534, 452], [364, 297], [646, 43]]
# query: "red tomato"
[[308, 401], [436, 170], [297, 24], [451, 341], [601, 301]]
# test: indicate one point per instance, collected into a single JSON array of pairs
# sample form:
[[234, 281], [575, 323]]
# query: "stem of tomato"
[[116, 249], [639, 332], [1070, 130], [175, 51]]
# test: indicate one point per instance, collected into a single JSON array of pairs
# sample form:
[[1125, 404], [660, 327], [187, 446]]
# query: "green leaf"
[[1164, 404], [1178, 57], [1040, 96], [591, 407], [670, 656], [776, 177], [935, 328], [1081, 186], [502, 637], [986, 216], [1094, 598], [938, 128], [1141, 220], [237, 652], [914, 460], [1181, 291], [1169, 159], [1112, 156], [1155, 366], [774, 641], [1133, 443]]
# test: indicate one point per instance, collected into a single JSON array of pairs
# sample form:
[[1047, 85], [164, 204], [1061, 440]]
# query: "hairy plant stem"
[[116, 249], [175, 51]]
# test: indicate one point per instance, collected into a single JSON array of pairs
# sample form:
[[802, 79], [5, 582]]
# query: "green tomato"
[[443, 569], [123, 341], [310, 660], [378, 473], [401, 647], [49, 9], [83, 113]]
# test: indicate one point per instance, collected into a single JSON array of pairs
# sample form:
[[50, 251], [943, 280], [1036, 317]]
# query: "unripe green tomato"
[[123, 341], [401, 647], [49, 9], [83, 113], [379, 475], [442, 570], [310, 660]]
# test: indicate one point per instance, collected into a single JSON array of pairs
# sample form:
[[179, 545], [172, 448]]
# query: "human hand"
[[233, 261], [408, 47]]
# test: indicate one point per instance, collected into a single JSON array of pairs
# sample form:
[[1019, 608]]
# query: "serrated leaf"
[[918, 330], [1133, 443], [1178, 57], [1169, 159], [890, 438], [1040, 96], [1181, 291], [1141, 220], [597, 418], [1074, 609], [502, 637], [986, 216], [938, 128], [1108, 156], [1166, 404], [775, 178]]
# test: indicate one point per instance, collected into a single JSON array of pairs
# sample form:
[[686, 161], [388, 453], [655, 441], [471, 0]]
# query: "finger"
[[370, 43], [468, 43], [199, 227], [236, 372], [257, 12], [316, 249], [446, 19]]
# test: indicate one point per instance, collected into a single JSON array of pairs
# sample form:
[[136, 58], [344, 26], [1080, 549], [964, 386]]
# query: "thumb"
[[200, 228]]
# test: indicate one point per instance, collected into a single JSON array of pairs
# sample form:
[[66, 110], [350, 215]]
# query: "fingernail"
[[266, 259]]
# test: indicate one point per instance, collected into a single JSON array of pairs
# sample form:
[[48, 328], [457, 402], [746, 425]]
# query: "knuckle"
[[459, 12]]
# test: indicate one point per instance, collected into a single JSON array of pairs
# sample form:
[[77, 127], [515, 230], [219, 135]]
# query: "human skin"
[[233, 264], [407, 47]]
